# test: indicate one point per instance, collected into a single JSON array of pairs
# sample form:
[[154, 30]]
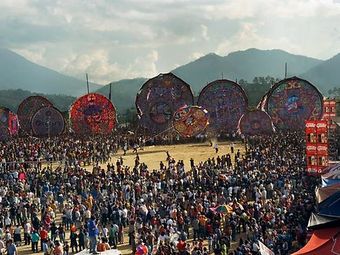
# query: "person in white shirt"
[[216, 147], [105, 232], [27, 233], [8, 222], [17, 235]]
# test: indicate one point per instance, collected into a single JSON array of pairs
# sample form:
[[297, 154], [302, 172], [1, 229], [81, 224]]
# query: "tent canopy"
[[318, 221], [332, 176], [323, 241], [332, 171], [331, 206], [325, 192], [108, 252]]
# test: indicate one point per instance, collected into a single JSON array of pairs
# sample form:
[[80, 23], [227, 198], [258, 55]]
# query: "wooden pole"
[[110, 91], [87, 83]]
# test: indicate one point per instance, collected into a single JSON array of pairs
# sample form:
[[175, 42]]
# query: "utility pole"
[[87, 82], [110, 91]]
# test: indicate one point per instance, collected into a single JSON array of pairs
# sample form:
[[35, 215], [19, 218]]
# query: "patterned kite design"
[[226, 102], [9, 124], [47, 122], [159, 98], [293, 101], [93, 114], [27, 108], [255, 122], [190, 121]]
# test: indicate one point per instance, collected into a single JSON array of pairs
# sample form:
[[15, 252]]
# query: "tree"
[[334, 92]]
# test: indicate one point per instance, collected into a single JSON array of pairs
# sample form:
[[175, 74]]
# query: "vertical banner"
[[332, 108], [322, 144], [316, 145], [311, 146], [329, 112], [326, 109]]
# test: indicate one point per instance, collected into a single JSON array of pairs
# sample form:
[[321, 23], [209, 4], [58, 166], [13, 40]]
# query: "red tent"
[[323, 241]]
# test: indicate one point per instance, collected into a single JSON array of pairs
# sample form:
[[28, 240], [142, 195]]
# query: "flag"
[[264, 250]]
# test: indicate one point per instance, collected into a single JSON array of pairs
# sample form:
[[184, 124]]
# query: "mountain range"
[[17, 72]]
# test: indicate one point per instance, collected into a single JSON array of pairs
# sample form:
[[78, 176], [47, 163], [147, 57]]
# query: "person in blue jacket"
[[93, 233]]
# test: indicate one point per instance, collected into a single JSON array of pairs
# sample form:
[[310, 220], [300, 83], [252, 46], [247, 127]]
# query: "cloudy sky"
[[116, 39]]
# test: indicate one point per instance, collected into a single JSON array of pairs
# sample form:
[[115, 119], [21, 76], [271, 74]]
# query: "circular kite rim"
[[206, 87], [92, 93], [7, 109], [156, 77], [43, 108], [30, 118], [276, 85], [191, 106], [35, 96], [255, 110]]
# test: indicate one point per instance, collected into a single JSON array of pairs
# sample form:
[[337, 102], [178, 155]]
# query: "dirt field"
[[152, 155]]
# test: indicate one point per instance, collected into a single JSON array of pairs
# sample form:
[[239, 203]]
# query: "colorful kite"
[[47, 122], [190, 121], [9, 124], [291, 102], [93, 114], [27, 108], [255, 122], [159, 98], [226, 102]]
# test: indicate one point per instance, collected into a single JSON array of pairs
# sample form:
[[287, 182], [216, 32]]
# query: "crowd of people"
[[226, 204]]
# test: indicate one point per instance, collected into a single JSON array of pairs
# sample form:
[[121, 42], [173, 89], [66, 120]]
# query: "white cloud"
[[34, 53], [248, 37], [96, 64], [144, 66], [126, 38], [102, 70], [205, 32], [197, 55]]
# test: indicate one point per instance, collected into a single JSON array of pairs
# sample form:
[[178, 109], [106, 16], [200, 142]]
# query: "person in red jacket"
[[181, 246], [43, 237]]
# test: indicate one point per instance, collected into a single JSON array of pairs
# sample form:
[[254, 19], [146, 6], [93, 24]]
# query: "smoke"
[[213, 141]]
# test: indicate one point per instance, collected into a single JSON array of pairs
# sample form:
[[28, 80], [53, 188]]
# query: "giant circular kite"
[[226, 102], [9, 124], [93, 113], [27, 108], [48, 121], [190, 121], [293, 101], [159, 98], [255, 122]]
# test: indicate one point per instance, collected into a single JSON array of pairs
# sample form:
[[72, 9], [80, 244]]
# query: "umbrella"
[[223, 209], [142, 250]]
